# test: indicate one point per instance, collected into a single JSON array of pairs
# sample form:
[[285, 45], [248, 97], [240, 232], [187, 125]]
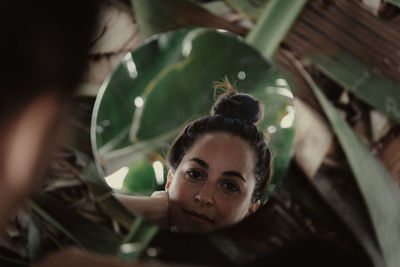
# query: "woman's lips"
[[198, 217]]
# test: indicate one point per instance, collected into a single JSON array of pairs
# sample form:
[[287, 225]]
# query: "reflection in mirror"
[[215, 171]]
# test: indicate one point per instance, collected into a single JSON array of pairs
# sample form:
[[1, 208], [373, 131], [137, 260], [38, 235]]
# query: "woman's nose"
[[205, 195]]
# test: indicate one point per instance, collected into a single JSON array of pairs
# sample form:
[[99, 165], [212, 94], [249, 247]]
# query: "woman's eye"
[[195, 175], [231, 187]]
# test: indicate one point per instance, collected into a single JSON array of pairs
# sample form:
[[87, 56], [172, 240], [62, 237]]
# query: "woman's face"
[[213, 184]]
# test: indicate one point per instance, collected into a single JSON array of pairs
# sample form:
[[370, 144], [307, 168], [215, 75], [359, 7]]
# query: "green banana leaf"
[[175, 86], [124, 87], [143, 168], [363, 81], [394, 2], [83, 232], [156, 16], [138, 238], [251, 9], [33, 242], [218, 8], [277, 18], [104, 196], [140, 233], [380, 192]]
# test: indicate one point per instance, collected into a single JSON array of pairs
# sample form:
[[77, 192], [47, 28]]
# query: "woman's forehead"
[[222, 150]]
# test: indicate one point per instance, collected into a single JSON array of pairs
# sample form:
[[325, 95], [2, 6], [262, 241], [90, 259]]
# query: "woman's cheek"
[[179, 190], [186, 192]]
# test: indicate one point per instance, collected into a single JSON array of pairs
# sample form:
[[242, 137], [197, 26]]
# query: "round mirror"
[[164, 85]]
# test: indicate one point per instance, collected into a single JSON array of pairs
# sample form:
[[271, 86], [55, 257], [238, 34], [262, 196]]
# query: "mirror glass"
[[167, 83]]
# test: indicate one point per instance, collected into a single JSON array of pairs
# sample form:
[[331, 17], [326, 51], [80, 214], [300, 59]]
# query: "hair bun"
[[241, 106]]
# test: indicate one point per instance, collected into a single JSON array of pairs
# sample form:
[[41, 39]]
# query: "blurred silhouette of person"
[[45, 48], [44, 52]]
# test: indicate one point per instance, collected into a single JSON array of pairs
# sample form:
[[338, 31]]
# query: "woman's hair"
[[234, 113]]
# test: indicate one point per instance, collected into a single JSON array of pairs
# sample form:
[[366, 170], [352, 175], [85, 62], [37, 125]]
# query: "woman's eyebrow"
[[204, 164], [201, 162], [234, 173]]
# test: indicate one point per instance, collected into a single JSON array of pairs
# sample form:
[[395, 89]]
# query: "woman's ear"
[[169, 180], [253, 208]]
